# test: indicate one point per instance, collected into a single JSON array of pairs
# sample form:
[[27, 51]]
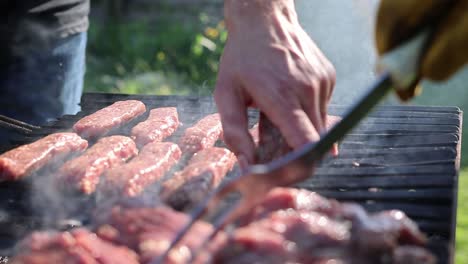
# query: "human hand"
[[399, 20], [269, 62]]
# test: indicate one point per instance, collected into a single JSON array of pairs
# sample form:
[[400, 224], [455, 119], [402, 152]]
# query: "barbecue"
[[84, 171], [402, 158], [22, 161], [131, 178], [203, 134], [109, 118], [204, 172], [161, 123]]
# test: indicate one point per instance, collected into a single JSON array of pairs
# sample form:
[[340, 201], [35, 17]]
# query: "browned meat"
[[287, 236], [253, 133], [296, 199], [202, 135], [153, 161], [109, 118], [149, 231], [384, 231], [387, 224], [205, 170], [371, 238], [20, 162], [161, 123], [272, 145], [83, 172], [299, 227], [76, 247], [412, 255]]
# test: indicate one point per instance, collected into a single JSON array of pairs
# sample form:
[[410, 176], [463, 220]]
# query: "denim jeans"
[[46, 83], [43, 84]]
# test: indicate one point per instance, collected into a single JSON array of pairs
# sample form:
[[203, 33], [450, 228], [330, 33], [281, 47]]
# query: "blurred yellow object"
[[447, 52]]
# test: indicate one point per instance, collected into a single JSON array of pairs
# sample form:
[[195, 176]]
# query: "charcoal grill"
[[400, 157]]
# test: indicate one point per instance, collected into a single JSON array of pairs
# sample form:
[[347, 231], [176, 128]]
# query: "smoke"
[[54, 206]]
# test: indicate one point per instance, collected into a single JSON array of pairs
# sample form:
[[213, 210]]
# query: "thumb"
[[232, 108]]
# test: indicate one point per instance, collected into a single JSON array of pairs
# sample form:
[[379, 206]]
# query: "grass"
[[461, 253], [138, 58]]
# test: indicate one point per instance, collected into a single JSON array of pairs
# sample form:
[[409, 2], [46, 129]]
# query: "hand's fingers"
[[325, 117], [313, 101], [233, 111], [448, 51], [326, 79], [317, 109], [330, 122], [331, 77], [285, 112], [398, 20], [324, 94]]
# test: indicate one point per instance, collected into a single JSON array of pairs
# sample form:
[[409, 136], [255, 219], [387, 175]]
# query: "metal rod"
[[17, 128], [18, 122]]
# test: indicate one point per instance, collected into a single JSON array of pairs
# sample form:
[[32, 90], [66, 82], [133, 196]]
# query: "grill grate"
[[400, 157]]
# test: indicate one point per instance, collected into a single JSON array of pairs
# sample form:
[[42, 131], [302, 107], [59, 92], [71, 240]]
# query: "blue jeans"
[[46, 83]]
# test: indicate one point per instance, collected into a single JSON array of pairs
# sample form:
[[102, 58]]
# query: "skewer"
[[18, 128], [18, 123]]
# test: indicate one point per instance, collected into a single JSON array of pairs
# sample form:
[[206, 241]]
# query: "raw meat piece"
[[202, 135], [22, 161], [153, 161], [287, 236], [205, 170], [161, 123], [149, 231], [83, 172], [114, 116], [78, 246]]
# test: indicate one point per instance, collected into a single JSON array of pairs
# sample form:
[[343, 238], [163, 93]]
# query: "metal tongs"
[[256, 181]]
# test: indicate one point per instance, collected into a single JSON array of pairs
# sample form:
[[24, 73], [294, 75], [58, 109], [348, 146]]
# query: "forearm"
[[252, 14]]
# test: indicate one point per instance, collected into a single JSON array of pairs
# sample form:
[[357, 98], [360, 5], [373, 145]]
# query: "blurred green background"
[[154, 47], [173, 47]]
